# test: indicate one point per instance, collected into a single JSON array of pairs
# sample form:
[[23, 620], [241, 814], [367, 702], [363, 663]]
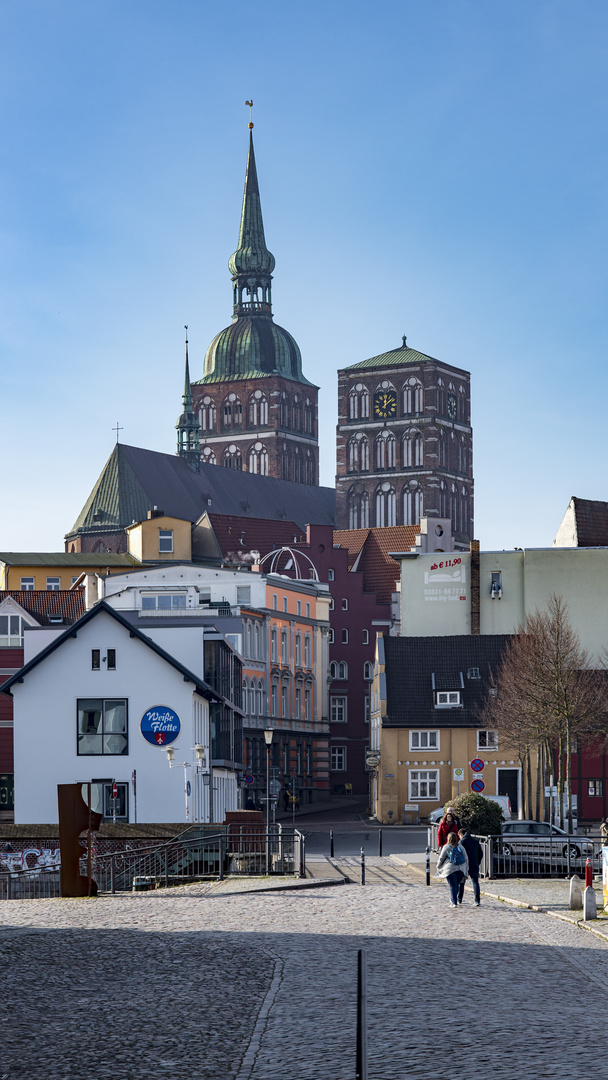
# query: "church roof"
[[135, 480], [253, 348], [394, 358]]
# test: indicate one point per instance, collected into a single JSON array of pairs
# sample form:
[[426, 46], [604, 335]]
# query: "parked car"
[[540, 838], [503, 801]]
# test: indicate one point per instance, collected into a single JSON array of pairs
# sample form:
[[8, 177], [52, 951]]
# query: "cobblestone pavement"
[[198, 983]]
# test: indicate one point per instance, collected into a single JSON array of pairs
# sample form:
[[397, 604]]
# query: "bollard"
[[112, 875], [379, 841], [576, 893], [331, 843], [362, 866], [588, 874], [361, 1073], [428, 866], [589, 904]]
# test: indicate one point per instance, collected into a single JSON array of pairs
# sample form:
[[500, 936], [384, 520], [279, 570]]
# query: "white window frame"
[[338, 759], [425, 739], [447, 699], [53, 584], [330, 635], [165, 541], [345, 636], [330, 575], [365, 637], [28, 584], [482, 739], [243, 595], [344, 604], [338, 709], [423, 785], [368, 670]]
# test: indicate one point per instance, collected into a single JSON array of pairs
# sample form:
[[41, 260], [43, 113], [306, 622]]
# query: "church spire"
[[252, 264], [188, 427]]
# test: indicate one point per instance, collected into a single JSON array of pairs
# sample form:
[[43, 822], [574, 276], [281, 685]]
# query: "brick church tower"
[[404, 443], [255, 409]]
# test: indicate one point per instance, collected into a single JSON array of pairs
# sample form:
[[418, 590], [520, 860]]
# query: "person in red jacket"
[[449, 823]]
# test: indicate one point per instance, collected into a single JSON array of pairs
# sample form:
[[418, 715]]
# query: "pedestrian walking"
[[453, 864], [449, 823], [250, 805], [604, 830], [285, 798], [474, 852]]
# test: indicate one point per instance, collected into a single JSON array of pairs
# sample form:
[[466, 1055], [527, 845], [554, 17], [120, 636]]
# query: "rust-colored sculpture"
[[74, 817]]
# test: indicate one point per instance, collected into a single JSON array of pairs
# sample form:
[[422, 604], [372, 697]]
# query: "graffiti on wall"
[[35, 860]]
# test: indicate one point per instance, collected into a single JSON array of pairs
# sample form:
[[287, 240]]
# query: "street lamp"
[[185, 765], [268, 736]]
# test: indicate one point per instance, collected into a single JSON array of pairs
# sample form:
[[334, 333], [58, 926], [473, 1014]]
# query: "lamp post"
[[268, 736], [185, 765]]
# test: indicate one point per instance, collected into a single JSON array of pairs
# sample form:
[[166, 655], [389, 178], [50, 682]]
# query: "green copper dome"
[[252, 347]]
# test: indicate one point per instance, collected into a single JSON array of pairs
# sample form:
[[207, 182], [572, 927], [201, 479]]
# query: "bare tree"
[[546, 693]]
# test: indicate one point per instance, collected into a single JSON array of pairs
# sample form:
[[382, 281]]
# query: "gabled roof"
[[134, 481], [201, 686], [588, 521], [369, 553], [394, 358], [412, 662], [41, 603]]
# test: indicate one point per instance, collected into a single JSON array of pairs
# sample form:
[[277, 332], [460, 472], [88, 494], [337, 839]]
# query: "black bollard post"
[[379, 841], [428, 865], [362, 866], [331, 843], [361, 1073]]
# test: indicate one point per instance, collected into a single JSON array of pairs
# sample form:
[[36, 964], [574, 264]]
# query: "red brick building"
[[404, 443]]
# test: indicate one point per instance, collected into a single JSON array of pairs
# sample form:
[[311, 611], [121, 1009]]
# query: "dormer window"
[[473, 673], [447, 699]]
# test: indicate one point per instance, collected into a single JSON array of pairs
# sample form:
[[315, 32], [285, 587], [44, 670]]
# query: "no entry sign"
[[477, 784], [477, 764]]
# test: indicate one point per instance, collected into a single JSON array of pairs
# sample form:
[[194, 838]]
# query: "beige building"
[[491, 592], [425, 726]]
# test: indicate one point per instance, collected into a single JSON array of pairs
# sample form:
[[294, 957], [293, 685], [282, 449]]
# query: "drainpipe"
[[475, 613]]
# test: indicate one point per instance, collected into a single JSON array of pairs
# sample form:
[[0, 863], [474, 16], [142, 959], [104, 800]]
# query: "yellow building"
[[34, 570], [160, 538], [426, 729]]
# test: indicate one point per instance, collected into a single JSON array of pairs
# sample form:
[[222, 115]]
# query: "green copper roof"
[[394, 358], [251, 255], [253, 347]]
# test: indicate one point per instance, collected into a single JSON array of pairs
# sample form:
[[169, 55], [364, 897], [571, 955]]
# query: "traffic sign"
[[249, 779], [114, 790], [188, 789], [459, 774], [477, 784], [477, 764], [274, 787]]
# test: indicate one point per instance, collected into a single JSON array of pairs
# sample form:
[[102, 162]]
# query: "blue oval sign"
[[160, 725]]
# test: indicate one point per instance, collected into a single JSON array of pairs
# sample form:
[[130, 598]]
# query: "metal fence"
[[521, 855], [233, 849]]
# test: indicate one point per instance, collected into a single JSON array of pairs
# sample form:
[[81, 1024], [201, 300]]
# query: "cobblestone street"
[[212, 983]]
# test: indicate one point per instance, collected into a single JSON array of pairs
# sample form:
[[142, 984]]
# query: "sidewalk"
[[548, 895]]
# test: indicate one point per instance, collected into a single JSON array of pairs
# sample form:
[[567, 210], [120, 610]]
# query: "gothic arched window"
[[308, 417], [258, 459], [358, 402], [206, 414], [297, 414], [258, 409], [413, 397], [386, 505], [232, 413], [233, 458], [412, 503], [297, 465], [284, 411], [208, 456], [386, 450], [309, 468], [358, 508], [413, 449], [358, 453], [463, 465]]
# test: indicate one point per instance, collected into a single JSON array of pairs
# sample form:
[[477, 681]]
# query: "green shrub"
[[481, 816]]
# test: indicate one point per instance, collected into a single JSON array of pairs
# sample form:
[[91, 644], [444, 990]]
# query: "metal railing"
[[522, 855], [231, 850]]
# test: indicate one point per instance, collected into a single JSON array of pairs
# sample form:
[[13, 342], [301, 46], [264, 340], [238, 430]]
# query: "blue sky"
[[435, 169]]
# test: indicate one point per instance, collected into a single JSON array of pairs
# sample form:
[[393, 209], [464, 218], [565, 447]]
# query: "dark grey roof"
[[189, 676], [134, 481], [411, 663]]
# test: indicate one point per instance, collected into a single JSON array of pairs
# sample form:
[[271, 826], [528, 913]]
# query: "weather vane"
[[250, 104]]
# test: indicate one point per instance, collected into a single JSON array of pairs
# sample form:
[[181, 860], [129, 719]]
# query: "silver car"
[[539, 838]]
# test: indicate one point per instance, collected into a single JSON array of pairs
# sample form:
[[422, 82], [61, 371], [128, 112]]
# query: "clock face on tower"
[[385, 404], [452, 406]]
